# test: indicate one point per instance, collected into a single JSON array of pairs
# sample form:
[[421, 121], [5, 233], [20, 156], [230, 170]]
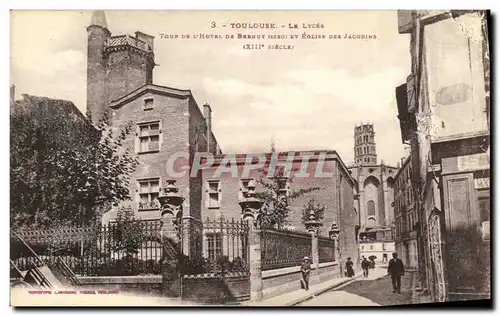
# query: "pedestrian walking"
[[365, 265], [306, 270], [396, 269], [349, 271]]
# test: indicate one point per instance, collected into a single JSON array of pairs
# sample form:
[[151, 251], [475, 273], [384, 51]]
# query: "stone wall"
[[281, 281], [213, 289], [150, 285]]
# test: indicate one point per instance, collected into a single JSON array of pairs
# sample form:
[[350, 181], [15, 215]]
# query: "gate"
[[219, 271]]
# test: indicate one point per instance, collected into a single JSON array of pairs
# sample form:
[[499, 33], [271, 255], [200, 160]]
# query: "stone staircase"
[[43, 275]]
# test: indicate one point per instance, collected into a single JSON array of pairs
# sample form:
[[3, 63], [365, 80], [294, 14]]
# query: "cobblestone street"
[[366, 292]]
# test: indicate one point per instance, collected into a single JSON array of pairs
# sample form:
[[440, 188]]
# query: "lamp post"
[[171, 213], [333, 233], [250, 209]]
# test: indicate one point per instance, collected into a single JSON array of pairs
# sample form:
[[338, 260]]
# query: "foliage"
[[277, 196], [61, 166], [127, 266], [128, 234], [317, 209]]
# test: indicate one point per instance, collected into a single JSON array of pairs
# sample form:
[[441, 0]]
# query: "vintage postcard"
[[249, 158]]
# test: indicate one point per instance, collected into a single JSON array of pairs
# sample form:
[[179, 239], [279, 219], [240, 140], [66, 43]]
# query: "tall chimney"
[[207, 112]]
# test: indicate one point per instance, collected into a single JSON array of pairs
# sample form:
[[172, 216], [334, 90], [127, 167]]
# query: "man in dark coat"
[[306, 270], [365, 265], [396, 270]]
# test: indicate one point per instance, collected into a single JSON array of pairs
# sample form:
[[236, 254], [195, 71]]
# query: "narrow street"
[[376, 290]]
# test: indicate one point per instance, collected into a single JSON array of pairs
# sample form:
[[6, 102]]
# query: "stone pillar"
[[384, 219], [254, 258], [250, 208], [171, 212], [314, 256], [312, 226], [186, 229], [362, 206], [334, 234], [171, 279]]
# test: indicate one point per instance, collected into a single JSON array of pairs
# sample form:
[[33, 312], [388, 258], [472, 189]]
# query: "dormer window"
[[148, 104]]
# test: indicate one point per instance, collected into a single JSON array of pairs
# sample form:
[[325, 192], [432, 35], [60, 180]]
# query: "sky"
[[308, 98]]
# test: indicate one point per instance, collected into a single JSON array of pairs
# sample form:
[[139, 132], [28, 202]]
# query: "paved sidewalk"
[[299, 296]]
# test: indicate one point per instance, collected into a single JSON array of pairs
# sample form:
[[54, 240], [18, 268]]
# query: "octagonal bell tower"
[[365, 152]]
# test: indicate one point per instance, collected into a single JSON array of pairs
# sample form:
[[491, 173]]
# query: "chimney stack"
[[207, 112]]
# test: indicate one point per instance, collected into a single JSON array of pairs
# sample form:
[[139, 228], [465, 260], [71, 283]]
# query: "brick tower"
[[116, 65], [97, 35], [365, 152]]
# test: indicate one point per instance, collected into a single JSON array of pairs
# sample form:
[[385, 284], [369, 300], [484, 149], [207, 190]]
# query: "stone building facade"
[[165, 121], [405, 213], [444, 115]]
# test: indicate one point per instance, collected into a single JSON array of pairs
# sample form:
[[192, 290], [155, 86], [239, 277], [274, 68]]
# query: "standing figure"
[[396, 270], [348, 267], [365, 265], [306, 269], [372, 263]]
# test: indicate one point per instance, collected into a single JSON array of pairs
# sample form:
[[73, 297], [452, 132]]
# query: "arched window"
[[370, 205]]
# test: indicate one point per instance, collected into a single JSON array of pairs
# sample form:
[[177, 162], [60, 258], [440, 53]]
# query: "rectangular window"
[[149, 190], [148, 136], [244, 187], [213, 191], [148, 104], [214, 246]]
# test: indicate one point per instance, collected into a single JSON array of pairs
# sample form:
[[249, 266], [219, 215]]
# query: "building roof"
[[178, 93], [31, 101], [297, 157]]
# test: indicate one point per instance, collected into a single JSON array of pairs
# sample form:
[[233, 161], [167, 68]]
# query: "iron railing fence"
[[284, 248], [133, 248], [326, 249]]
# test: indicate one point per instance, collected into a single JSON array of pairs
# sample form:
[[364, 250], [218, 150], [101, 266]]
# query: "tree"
[[317, 209], [61, 166], [276, 195], [128, 234]]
